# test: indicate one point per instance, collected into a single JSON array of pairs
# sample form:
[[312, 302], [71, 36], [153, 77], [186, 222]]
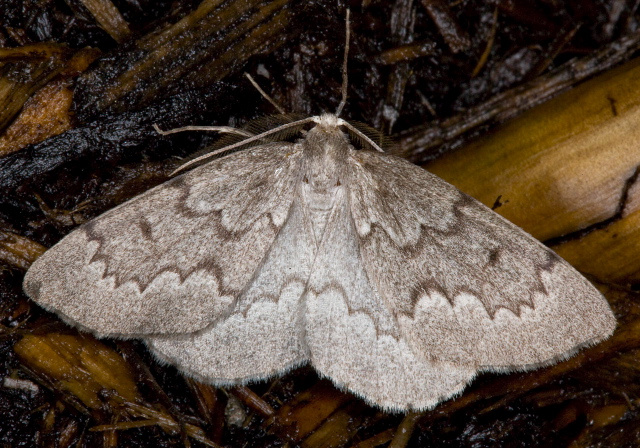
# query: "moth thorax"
[[325, 151]]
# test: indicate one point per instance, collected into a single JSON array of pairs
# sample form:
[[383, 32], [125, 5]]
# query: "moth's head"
[[327, 122], [326, 138], [356, 135]]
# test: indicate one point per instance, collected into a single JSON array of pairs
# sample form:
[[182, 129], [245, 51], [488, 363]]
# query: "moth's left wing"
[[177, 257], [466, 285]]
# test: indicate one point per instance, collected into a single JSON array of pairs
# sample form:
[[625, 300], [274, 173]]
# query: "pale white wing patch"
[[263, 335], [355, 340]]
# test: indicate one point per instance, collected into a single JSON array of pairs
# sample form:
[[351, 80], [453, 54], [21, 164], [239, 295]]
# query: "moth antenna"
[[264, 94], [363, 136], [252, 138], [223, 129], [345, 78]]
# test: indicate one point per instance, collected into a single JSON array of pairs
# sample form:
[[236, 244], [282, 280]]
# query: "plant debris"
[[83, 81]]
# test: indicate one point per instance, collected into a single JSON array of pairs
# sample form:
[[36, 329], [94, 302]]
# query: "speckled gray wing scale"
[[410, 289]]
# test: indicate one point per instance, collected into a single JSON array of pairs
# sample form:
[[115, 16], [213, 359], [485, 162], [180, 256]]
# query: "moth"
[[386, 279]]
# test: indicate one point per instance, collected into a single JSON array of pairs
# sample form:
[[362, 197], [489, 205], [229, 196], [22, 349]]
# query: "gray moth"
[[386, 279]]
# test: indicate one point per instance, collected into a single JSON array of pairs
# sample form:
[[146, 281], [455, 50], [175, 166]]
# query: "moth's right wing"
[[466, 285], [174, 259]]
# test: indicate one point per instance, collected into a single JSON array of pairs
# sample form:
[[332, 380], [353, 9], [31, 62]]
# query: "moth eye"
[[305, 180]]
